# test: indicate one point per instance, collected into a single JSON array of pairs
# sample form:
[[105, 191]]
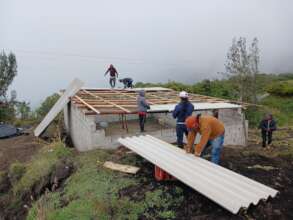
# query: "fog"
[[150, 41]]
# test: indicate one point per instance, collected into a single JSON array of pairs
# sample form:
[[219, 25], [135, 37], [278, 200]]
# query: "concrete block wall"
[[81, 129], [235, 132], [86, 136]]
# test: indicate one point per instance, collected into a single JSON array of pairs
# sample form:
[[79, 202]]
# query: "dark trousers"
[[128, 85], [266, 137], [180, 131], [112, 82], [142, 119]]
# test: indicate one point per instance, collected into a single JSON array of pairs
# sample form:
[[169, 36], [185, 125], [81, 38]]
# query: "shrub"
[[16, 171], [41, 166], [282, 88]]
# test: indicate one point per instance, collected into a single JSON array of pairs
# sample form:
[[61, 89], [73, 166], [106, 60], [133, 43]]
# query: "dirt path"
[[19, 148]]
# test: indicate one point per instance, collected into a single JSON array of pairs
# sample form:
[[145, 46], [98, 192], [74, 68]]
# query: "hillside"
[[274, 93], [49, 180]]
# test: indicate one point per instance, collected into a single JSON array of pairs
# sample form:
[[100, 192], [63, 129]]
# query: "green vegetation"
[[46, 105], [280, 104], [281, 88], [92, 192], [16, 171], [40, 167]]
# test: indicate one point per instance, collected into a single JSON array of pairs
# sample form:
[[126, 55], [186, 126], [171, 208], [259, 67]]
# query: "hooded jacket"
[[182, 111], [142, 104]]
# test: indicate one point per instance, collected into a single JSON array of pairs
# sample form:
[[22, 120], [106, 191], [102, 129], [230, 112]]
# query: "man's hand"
[[187, 149], [196, 154]]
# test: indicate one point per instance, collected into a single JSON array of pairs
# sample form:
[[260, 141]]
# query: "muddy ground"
[[19, 148], [194, 205], [279, 175]]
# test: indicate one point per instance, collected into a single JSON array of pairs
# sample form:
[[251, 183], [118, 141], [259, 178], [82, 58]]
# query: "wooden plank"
[[112, 103], [121, 167], [87, 105], [132, 96]]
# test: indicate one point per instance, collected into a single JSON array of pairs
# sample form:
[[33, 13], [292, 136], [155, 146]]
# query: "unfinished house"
[[96, 118]]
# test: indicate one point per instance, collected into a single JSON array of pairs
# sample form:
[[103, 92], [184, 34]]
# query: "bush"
[[16, 171], [47, 105], [282, 88], [41, 166]]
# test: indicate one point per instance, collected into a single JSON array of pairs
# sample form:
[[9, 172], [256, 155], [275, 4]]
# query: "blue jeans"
[[180, 131], [216, 145]]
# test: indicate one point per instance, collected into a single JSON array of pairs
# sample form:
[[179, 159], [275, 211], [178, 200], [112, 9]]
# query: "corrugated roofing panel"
[[225, 187], [73, 88], [197, 106]]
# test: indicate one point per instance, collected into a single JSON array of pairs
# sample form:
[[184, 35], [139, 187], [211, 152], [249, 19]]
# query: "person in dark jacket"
[[183, 110], [267, 126], [127, 82], [113, 75], [143, 106]]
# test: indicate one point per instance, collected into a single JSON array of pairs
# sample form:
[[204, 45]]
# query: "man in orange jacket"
[[212, 133]]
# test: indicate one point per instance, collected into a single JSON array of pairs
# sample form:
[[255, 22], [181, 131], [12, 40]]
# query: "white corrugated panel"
[[197, 106], [71, 90], [225, 187]]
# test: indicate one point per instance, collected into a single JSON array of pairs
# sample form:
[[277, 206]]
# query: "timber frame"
[[123, 101]]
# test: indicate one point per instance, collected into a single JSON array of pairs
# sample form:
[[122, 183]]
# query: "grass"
[[92, 192], [16, 171], [282, 109], [40, 167]]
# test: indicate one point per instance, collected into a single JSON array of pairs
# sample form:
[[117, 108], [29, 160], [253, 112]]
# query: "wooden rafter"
[[87, 105], [109, 102], [124, 101]]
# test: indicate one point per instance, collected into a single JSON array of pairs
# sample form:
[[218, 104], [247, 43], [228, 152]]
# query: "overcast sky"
[[148, 40]]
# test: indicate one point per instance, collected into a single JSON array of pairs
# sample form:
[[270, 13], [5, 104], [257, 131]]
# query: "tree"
[[23, 110], [242, 67], [47, 105], [254, 63], [8, 70]]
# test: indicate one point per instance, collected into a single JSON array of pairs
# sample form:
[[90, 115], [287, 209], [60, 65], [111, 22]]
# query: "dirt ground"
[[246, 161], [19, 148], [194, 205], [115, 128]]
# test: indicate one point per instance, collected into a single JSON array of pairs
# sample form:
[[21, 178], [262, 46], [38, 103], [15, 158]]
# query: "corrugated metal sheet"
[[73, 88], [197, 106], [225, 187]]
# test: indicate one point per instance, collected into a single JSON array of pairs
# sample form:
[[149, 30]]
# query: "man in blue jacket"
[[181, 112], [267, 126]]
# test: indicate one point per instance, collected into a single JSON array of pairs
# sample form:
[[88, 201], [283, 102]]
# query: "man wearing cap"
[[181, 112], [212, 134]]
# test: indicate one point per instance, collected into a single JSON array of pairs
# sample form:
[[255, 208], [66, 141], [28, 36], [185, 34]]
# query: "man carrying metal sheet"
[[212, 134], [181, 112]]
